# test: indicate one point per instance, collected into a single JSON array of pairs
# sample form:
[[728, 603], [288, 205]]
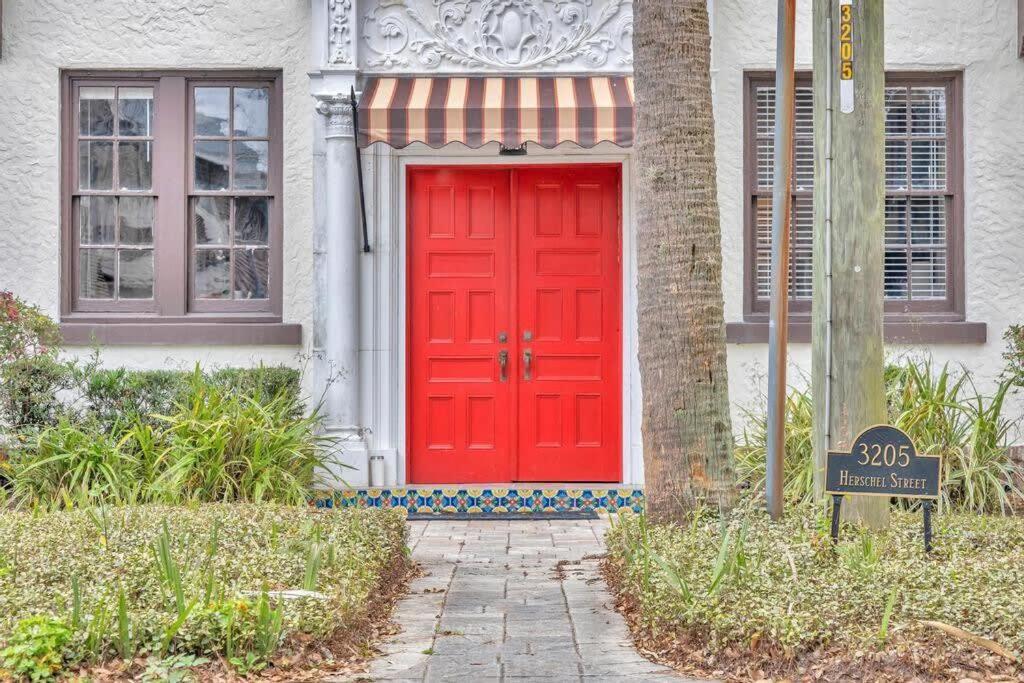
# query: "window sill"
[[896, 332], [154, 333]]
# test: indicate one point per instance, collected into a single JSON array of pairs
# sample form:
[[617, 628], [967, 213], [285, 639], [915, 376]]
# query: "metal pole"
[[782, 184], [359, 169]]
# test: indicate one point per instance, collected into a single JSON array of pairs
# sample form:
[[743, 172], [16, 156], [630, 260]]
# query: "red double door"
[[514, 300]]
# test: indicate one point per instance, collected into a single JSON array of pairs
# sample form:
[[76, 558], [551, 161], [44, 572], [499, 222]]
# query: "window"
[[172, 210], [113, 201], [923, 227]]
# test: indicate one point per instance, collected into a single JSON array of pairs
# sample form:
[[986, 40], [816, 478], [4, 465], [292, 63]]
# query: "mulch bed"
[[912, 657]]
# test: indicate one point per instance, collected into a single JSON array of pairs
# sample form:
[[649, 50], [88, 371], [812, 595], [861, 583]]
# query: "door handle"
[[503, 365], [527, 359]]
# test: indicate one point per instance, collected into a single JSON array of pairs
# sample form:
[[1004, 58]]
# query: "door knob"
[[527, 359], [503, 365]]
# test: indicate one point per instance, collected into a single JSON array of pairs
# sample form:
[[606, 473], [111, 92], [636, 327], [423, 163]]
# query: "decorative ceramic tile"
[[474, 500]]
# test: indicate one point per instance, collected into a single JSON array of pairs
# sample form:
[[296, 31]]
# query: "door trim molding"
[[385, 274]]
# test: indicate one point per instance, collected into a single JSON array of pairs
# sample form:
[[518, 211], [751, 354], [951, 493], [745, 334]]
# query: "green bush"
[[941, 410], [31, 377], [216, 444], [167, 585], [24, 330], [30, 390], [743, 580], [121, 396]]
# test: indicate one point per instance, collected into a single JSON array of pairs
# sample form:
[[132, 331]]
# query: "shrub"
[[30, 389], [941, 410], [30, 374], [216, 444], [179, 583], [120, 396], [24, 330], [72, 461], [221, 445]]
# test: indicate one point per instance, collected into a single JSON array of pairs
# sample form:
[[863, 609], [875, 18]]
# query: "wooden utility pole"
[[849, 233]]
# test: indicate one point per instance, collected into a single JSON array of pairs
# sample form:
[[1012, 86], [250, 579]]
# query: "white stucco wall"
[[41, 37], [977, 37]]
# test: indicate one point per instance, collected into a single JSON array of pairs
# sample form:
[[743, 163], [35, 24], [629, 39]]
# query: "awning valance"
[[509, 110]]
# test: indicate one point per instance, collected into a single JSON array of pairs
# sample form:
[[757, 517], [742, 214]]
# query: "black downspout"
[[359, 169]]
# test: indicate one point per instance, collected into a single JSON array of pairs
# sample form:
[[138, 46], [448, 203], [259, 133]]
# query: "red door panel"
[[534, 253], [460, 412], [569, 324]]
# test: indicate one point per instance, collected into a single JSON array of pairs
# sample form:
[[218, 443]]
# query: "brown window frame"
[[172, 304], [950, 309]]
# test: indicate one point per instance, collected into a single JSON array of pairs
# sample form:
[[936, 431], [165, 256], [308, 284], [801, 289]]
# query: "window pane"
[[135, 111], [213, 274], [95, 165], [135, 274], [252, 111], [928, 111], [928, 275], [136, 220], [135, 165], [211, 165], [96, 111], [928, 222], [251, 160], [895, 222], [896, 164], [765, 111], [803, 163], [211, 110], [211, 220], [896, 111], [97, 217], [801, 243], [928, 164], [803, 112], [895, 278], [96, 273], [251, 273], [765, 163], [252, 224]]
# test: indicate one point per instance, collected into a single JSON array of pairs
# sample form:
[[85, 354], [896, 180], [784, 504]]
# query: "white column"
[[339, 283]]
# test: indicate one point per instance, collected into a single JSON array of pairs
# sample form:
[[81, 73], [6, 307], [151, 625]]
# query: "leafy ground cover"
[[162, 593], [744, 598]]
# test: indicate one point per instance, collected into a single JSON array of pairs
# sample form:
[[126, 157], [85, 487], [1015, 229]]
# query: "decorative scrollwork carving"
[[340, 38], [504, 35]]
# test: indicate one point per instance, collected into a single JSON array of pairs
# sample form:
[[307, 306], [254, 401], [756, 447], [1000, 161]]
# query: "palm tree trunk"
[[687, 431]]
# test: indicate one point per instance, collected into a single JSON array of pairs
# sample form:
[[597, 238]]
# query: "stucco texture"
[[41, 37], [977, 38]]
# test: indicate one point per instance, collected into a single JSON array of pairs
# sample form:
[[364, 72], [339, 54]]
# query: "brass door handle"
[[527, 359], [503, 365]]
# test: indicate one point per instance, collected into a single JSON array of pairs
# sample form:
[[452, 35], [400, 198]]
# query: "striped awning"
[[510, 110]]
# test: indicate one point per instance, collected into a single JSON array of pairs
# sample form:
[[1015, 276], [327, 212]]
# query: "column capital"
[[338, 110]]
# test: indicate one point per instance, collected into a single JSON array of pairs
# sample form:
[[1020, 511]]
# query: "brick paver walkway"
[[496, 605]]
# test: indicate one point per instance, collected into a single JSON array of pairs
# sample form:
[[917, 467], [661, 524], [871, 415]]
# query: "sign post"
[[884, 462]]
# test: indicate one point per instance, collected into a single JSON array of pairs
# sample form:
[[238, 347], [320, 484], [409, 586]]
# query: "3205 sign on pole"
[[884, 462]]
